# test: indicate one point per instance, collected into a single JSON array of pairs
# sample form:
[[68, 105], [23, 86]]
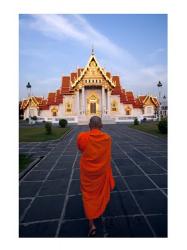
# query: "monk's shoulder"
[[107, 136], [83, 134]]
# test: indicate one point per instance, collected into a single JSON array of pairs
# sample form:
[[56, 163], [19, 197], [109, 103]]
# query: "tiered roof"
[[69, 83], [126, 97], [66, 88]]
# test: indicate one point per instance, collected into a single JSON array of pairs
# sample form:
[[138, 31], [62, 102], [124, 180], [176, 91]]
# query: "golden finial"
[[92, 50]]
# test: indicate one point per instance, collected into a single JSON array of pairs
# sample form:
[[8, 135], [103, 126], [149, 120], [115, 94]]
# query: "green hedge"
[[63, 123], [163, 126], [48, 128], [136, 122]]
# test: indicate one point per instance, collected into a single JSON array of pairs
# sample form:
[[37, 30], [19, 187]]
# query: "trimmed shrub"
[[144, 119], [48, 128], [136, 122], [163, 126], [63, 123]]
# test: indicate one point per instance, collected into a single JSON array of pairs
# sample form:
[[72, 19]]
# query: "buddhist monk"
[[96, 178]]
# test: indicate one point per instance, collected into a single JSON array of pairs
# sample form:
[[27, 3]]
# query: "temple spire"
[[93, 50]]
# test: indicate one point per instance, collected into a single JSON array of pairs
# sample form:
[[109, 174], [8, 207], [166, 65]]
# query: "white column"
[[78, 102], [104, 101], [108, 101], [102, 96], [83, 98]]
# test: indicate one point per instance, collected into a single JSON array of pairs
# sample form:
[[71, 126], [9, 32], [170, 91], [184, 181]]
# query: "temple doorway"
[[92, 108], [92, 105]]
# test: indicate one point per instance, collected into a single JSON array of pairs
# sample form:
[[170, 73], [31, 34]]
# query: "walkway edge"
[[31, 165], [57, 140]]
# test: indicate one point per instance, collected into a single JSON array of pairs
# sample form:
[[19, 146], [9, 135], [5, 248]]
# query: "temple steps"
[[104, 121]]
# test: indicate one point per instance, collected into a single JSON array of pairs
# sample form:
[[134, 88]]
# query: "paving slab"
[[138, 182], [38, 230], [127, 227], [159, 224], [29, 188], [45, 208], [151, 201]]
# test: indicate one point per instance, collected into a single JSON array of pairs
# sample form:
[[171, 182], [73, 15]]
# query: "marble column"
[[103, 99], [83, 102], [78, 103], [108, 101]]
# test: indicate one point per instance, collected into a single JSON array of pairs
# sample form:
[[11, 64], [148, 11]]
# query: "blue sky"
[[133, 46]]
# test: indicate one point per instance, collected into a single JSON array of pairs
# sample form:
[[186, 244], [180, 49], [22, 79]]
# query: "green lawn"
[[149, 127], [33, 134], [24, 161]]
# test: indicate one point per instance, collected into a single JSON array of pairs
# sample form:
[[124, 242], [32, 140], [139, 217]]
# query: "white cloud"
[[56, 25], [77, 28]]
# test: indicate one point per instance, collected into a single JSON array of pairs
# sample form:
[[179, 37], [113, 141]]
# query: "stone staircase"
[[105, 120], [83, 122], [108, 121]]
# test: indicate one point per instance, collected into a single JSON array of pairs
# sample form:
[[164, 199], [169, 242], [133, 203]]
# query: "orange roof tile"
[[137, 103], [65, 82], [130, 96], [66, 87], [79, 70], [117, 89], [59, 97], [73, 76], [51, 98]]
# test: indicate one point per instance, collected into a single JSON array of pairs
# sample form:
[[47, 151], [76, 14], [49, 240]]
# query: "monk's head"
[[95, 122]]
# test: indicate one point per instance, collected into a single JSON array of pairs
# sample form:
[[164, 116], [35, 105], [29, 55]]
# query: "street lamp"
[[28, 86], [165, 106], [159, 85]]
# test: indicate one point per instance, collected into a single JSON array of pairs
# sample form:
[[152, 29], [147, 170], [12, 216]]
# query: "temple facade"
[[90, 91]]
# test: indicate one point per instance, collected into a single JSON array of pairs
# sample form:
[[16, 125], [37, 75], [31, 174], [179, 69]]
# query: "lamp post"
[[165, 106], [28, 86], [159, 85]]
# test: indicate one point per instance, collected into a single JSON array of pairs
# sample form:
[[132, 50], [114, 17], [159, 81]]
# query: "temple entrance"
[[92, 105], [92, 108]]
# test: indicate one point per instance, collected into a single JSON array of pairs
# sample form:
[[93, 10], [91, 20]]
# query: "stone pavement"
[[50, 199], [36, 149]]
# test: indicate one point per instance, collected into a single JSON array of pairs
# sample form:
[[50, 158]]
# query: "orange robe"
[[95, 171]]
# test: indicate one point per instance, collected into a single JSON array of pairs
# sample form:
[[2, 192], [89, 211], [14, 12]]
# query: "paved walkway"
[[50, 199]]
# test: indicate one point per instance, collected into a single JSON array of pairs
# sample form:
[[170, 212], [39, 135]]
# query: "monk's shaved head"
[[95, 122]]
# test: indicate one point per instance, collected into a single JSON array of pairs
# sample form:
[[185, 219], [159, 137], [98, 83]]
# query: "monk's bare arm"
[[82, 140], [79, 142]]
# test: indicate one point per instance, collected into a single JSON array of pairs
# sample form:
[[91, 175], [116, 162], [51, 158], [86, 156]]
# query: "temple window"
[[128, 110], [114, 106], [54, 111], [68, 107], [149, 110]]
